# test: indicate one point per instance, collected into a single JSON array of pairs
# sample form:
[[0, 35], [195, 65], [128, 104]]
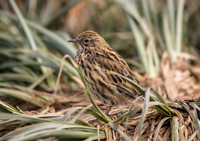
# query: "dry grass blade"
[[31, 56], [193, 136], [162, 109], [159, 126]]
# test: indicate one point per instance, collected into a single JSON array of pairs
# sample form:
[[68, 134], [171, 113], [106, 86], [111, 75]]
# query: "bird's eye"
[[86, 40]]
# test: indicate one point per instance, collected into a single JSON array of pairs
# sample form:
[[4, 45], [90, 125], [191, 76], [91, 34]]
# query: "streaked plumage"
[[96, 59]]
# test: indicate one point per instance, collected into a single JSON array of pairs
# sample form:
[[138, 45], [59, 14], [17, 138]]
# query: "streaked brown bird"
[[97, 62]]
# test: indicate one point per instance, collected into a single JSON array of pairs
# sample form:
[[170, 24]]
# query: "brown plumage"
[[97, 60]]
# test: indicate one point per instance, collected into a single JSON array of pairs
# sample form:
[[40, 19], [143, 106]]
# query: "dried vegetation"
[[32, 46]]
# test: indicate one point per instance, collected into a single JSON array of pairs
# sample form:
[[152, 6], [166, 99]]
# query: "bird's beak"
[[73, 40]]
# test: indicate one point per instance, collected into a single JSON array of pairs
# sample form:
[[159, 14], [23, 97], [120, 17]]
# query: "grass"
[[32, 57], [57, 125]]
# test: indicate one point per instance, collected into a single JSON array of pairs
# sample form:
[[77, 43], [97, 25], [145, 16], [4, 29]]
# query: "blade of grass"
[[106, 118], [162, 109], [56, 133], [174, 127], [47, 12], [167, 36], [171, 11], [27, 31], [51, 36], [6, 116], [129, 111], [193, 114], [66, 116], [159, 126], [24, 24], [179, 23], [61, 12], [97, 115], [144, 112], [153, 55], [193, 136], [14, 76], [139, 41], [74, 131], [24, 96], [34, 131], [4, 107], [116, 128], [80, 114], [197, 122], [123, 117]]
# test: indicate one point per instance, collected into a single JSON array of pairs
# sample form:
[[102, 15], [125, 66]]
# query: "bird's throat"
[[80, 47]]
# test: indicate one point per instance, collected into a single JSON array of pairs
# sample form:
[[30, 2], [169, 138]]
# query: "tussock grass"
[[30, 61], [181, 117]]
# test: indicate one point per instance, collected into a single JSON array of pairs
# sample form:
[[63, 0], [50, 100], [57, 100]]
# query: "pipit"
[[97, 62]]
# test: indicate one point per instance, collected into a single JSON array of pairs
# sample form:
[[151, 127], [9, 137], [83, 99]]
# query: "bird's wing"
[[109, 66]]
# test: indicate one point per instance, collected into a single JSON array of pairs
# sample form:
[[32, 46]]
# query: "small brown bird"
[[97, 60]]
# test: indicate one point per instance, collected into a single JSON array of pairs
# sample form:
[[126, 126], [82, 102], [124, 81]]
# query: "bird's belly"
[[102, 90]]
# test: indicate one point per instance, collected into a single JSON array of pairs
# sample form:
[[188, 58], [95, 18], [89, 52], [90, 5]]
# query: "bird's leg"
[[108, 110]]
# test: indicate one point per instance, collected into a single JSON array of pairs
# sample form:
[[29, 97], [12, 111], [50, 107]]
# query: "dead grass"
[[177, 80]]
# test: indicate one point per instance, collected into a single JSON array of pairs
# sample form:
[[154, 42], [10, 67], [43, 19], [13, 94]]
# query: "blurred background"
[[159, 39]]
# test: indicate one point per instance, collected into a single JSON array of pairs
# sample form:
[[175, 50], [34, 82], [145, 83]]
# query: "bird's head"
[[88, 39]]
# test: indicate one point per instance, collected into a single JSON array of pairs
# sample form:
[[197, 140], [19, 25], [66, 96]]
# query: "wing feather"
[[108, 66]]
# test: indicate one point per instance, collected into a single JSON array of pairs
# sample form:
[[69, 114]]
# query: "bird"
[[100, 65]]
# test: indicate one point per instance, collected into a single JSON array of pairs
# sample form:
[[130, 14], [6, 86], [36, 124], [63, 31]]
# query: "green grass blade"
[[174, 127], [24, 24], [130, 7], [97, 115], [139, 41], [197, 122], [123, 117], [115, 126], [51, 36], [167, 36], [15, 76], [4, 107], [171, 11], [179, 23], [45, 130], [158, 96], [66, 116], [144, 112], [24, 96], [107, 119], [80, 114], [130, 110], [61, 12], [6, 116], [162, 109]]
